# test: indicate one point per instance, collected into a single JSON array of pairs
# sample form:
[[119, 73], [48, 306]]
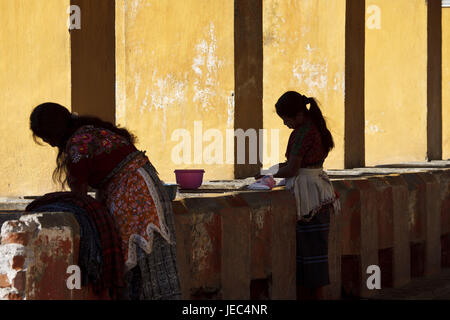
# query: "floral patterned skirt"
[[142, 210], [136, 202]]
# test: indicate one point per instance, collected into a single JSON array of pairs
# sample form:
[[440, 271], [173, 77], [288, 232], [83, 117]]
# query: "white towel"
[[265, 183]]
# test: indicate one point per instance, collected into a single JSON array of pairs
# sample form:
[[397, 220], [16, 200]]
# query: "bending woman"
[[96, 153], [308, 146]]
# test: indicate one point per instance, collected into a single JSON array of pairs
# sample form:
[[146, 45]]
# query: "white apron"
[[312, 189]]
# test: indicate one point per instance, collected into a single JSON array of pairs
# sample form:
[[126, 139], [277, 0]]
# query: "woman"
[[308, 146], [95, 153]]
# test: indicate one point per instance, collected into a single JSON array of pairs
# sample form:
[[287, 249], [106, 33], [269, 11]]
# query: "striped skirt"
[[312, 250]]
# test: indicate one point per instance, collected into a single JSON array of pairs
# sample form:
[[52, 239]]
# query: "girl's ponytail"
[[318, 119], [292, 102]]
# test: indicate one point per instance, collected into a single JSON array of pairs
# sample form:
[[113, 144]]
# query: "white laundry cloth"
[[312, 189], [265, 183], [271, 171]]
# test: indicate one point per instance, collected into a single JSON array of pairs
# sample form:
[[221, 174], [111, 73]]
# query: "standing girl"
[[308, 146], [96, 153]]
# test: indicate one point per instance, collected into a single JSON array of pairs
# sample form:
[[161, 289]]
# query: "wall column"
[[93, 59], [248, 75], [434, 80], [354, 154]]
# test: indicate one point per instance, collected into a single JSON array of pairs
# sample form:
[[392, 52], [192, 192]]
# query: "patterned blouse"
[[306, 141], [93, 153]]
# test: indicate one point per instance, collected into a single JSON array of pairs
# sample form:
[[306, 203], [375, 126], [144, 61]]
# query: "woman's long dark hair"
[[49, 119], [291, 103]]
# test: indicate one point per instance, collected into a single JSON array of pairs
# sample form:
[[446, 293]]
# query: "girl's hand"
[[291, 167]]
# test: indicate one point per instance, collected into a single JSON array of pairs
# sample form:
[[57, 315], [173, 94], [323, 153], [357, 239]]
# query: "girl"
[[308, 146], [95, 153]]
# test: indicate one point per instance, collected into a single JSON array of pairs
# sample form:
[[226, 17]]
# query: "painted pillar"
[[248, 74], [446, 83], [354, 84], [434, 80], [93, 59]]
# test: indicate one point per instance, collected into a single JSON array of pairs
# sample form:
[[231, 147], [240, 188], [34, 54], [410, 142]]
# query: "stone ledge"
[[399, 221]]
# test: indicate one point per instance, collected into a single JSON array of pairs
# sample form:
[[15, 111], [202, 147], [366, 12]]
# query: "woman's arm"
[[291, 168]]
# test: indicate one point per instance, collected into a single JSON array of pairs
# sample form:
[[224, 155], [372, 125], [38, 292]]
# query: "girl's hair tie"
[[74, 115], [306, 99]]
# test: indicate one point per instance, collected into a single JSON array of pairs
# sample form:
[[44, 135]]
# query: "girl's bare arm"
[[290, 169]]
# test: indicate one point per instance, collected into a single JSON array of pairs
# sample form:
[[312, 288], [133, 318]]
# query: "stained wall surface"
[[396, 81], [34, 68], [304, 51], [175, 80], [445, 83]]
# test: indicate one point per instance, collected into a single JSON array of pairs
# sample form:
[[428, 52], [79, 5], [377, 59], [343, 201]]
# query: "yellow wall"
[[396, 83], [446, 83], [34, 68], [175, 66], [304, 51]]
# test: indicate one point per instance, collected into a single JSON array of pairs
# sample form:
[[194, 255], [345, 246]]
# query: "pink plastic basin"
[[189, 178]]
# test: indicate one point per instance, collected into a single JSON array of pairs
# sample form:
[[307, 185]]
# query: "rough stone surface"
[[237, 244]]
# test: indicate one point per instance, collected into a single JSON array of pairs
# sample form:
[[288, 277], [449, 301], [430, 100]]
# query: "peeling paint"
[[7, 253], [272, 33], [202, 245], [137, 81], [372, 128], [174, 72], [169, 91], [4, 292], [314, 75], [135, 4], [121, 98], [339, 82], [230, 110], [206, 66], [258, 217], [145, 102]]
